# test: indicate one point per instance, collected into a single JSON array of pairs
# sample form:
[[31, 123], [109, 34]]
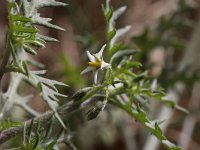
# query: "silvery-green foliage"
[[23, 39], [31, 11]]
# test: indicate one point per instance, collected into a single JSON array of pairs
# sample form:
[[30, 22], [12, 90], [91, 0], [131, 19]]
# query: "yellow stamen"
[[97, 59], [97, 65]]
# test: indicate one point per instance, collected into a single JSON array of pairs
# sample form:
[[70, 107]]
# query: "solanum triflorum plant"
[[119, 85]]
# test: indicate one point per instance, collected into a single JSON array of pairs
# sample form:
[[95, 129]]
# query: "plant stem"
[[12, 132], [64, 112]]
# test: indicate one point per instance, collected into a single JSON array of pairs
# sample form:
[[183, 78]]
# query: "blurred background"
[[167, 32]]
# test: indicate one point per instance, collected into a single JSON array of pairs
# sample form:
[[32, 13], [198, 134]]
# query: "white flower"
[[96, 63]]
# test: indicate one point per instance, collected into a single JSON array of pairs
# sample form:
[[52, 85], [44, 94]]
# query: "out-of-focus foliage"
[[169, 34], [23, 39], [71, 73]]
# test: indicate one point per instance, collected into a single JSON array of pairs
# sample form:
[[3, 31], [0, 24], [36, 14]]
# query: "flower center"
[[96, 65]]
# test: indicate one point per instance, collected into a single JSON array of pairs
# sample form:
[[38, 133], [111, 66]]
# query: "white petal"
[[100, 53], [105, 65], [90, 56], [95, 76], [88, 69]]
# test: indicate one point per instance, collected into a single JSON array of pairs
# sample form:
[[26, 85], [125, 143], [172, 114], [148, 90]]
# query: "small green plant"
[[118, 80]]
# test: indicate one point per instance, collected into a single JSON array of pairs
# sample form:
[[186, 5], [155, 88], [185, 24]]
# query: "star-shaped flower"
[[96, 63]]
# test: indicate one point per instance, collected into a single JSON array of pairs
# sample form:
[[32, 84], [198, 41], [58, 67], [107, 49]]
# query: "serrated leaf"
[[45, 22], [32, 6], [31, 11], [48, 90]]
